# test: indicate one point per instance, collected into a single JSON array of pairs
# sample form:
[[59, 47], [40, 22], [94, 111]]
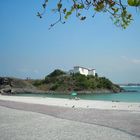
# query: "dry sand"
[[71, 103]]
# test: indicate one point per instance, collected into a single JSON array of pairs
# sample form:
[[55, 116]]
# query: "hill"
[[61, 82]]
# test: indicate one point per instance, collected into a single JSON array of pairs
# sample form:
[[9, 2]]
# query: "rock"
[[5, 85], [14, 85], [6, 89], [5, 81]]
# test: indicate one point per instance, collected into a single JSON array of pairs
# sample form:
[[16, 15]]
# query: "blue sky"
[[29, 49]]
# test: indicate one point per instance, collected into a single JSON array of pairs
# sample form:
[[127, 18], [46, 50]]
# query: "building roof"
[[83, 68]]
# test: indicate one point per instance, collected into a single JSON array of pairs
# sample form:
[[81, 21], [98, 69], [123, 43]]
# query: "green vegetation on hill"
[[56, 73], [62, 82]]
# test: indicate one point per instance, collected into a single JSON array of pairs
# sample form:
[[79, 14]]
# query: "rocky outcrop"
[[14, 85], [5, 85], [5, 90]]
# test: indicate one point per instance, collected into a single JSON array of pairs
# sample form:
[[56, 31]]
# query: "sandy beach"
[[102, 119], [72, 103]]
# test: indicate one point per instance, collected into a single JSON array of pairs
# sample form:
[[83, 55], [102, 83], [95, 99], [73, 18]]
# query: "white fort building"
[[82, 70]]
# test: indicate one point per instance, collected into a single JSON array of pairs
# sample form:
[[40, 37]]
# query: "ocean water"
[[132, 95]]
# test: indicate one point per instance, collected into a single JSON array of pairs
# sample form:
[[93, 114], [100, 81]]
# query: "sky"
[[29, 49]]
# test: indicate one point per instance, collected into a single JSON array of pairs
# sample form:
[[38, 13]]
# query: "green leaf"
[[134, 2], [44, 5], [59, 5], [80, 6], [68, 14], [83, 18], [64, 10]]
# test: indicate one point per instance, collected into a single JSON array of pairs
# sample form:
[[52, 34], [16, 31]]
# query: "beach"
[[18, 124], [53, 118], [73, 103], [61, 119]]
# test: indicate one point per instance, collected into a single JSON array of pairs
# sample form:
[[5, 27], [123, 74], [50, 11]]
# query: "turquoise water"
[[130, 96]]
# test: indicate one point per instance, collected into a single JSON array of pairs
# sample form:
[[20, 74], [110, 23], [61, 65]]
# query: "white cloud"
[[27, 70], [131, 60], [136, 61], [36, 71]]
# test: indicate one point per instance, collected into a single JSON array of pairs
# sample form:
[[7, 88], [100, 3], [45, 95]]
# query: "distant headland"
[[60, 82]]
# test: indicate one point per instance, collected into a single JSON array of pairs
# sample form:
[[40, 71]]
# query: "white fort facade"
[[82, 70]]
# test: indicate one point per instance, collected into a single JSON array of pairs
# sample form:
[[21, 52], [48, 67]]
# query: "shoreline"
[[11, 91], [72, 103]]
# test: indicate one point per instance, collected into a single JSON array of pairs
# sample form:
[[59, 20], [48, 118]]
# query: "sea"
[[131, 94]]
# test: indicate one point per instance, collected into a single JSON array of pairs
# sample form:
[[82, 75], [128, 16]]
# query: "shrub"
[[54, 87], [37, 82], [56, 72]]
